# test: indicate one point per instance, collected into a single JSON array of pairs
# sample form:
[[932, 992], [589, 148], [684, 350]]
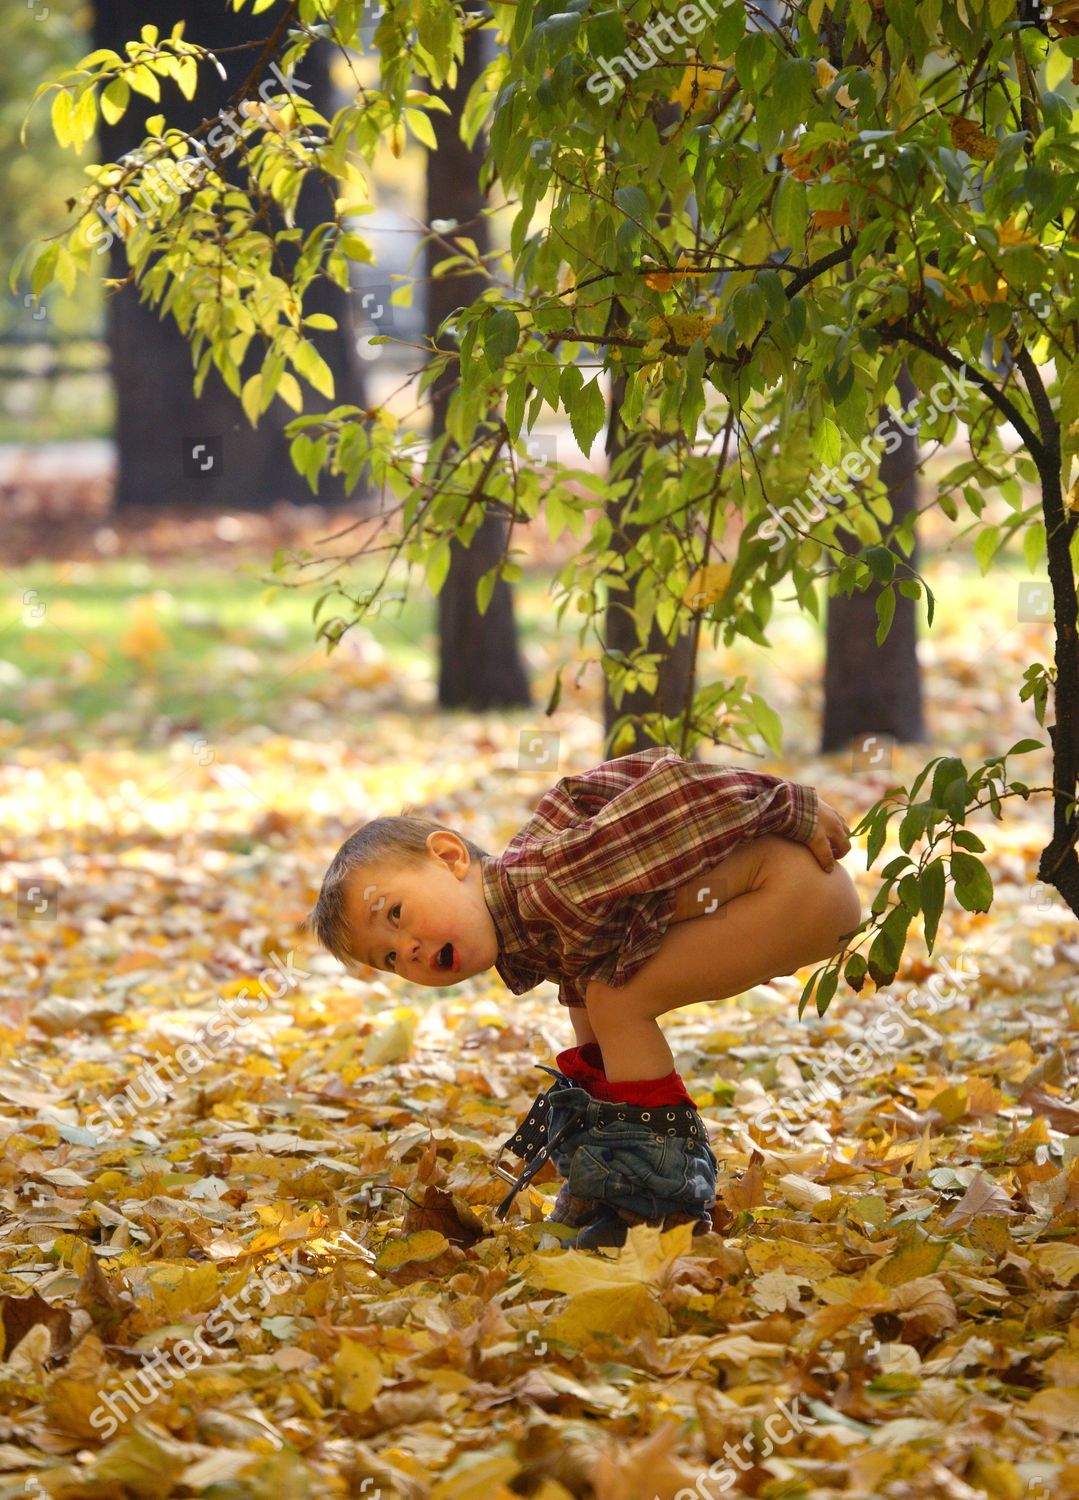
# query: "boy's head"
[[405, 894]]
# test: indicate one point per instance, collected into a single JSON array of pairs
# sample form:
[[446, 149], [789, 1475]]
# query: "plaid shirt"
[[586, 889]]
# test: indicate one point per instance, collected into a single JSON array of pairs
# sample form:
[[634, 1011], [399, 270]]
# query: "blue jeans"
[[631, 1164]]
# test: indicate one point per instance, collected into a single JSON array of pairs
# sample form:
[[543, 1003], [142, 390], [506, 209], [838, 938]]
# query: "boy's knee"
[[607, 1007]]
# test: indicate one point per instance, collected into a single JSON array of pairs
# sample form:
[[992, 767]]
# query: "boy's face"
[[403, 916]]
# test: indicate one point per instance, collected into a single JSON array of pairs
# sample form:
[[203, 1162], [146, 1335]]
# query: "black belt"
[[533, 1143]]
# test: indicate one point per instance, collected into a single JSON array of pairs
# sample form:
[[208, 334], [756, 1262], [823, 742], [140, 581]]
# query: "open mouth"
[[444, 958]]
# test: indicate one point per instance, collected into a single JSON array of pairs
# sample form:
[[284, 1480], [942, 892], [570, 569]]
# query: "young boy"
[[645, 884]]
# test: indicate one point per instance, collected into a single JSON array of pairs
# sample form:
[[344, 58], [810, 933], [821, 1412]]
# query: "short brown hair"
[[400, 839]]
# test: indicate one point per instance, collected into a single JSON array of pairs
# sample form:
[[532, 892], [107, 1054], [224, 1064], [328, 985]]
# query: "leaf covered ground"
[[247, 1233]]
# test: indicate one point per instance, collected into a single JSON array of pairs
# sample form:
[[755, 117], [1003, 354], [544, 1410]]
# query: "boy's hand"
[[831, 837]]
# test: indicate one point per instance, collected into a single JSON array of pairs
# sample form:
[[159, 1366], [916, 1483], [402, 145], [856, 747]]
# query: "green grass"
[[219, 652]]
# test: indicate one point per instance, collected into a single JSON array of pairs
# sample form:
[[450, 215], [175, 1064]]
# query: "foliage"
[[755, 236]]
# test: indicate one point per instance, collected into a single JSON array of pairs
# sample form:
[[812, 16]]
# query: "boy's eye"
[[391, 958]]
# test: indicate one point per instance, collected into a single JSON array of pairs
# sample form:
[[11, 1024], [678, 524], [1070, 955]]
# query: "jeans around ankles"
[[629, 1163]]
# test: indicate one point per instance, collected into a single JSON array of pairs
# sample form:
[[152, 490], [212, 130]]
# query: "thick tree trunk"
[[871, 689], [480, 664], [159, 421]]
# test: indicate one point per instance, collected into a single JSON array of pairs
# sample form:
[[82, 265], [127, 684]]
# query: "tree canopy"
[[757, 222]]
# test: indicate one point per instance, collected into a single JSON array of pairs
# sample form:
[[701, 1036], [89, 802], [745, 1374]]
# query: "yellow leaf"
[[425, 1244], [997, 1476], [915, 1260], [922, 1159], [144, 639], [663, 280], [696, 80], [647, 1255], [825, 73], [482, 1476], [967, 135], [830, 218], [357, 1376], [707, 585], [1072, 500], [1061, 1262], [787, 1255], [391, 1044], [952, 1103], [1058, 1407], [621, 1311], [683, 328]]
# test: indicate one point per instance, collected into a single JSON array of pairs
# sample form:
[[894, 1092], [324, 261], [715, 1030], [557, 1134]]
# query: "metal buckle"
[[500, 1170]]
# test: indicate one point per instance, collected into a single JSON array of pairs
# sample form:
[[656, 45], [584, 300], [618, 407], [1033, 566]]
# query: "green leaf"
[[931, 882], [973, 883], [309, 363], [855, 971], [790, 212], [252, 398], [114, 101], [887, 949], [966, 839], [63, 113], [421, 127], [826, 989], [885, 613], [438, 563], [501, 335], [587, 414], [948, 768]]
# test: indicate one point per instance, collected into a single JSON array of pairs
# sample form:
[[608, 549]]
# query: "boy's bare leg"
[[582, 1026], [783, 912]]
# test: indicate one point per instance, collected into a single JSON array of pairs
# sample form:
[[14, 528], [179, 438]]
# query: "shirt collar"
[[498, 892]]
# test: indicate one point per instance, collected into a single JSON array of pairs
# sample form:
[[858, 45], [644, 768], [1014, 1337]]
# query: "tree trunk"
[[870, 689], [620, 631], [677, 667], [159, 421], [480, 664]]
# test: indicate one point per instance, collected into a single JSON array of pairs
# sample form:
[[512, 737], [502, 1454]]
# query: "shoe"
[[605, 1230], [573, 1211], [612, 1226]]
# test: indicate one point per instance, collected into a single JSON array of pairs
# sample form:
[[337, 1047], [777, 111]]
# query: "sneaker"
[[573, 1211], [605, 1230], [612, 1226]]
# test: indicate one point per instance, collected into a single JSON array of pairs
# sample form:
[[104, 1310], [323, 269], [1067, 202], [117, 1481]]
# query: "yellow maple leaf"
[[624, 1311], [647, 1256]]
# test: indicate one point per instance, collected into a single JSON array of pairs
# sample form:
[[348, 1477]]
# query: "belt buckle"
[[500, 1170]]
